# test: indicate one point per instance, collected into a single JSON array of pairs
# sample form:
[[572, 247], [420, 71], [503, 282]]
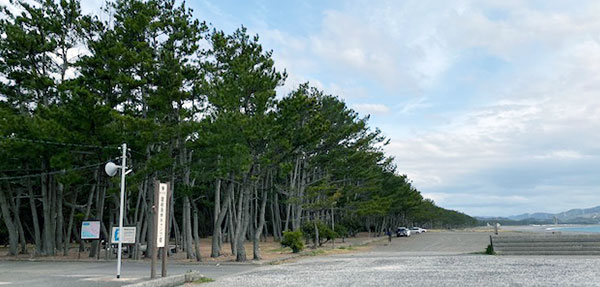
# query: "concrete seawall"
[[550, 244]]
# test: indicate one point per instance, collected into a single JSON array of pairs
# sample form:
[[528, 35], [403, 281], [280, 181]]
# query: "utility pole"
[[123, 170]]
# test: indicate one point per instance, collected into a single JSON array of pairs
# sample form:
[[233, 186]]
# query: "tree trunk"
[[196, 236], [301, 187], [138, 232], [88, 208], [287, 216], [231, 232], [34, 216], [277, 230], [216, 244], [261, 223], [67, 241], [21, 233], [317, 239], [13, 236], [150, 213], [99, 214], [187, 229], [244, 223], [220, 216], [47, 210], [59, 216], [15, 205], [273, 221], [176, 230]]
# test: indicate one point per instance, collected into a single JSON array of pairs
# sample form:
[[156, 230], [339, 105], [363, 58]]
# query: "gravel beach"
[[431, 259]]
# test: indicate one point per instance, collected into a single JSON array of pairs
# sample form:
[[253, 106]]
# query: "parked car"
[[402, 231], [417, 230]]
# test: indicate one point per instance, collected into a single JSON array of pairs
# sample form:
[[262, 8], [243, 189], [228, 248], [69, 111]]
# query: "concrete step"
[[547, 248], [546, 244], [555, 244], [547, 238], [550, 252]]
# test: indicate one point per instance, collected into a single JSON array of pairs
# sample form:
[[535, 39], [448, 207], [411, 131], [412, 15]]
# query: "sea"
[[579, 229]]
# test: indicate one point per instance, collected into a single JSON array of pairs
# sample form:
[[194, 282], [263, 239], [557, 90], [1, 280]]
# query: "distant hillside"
[[570, 216]]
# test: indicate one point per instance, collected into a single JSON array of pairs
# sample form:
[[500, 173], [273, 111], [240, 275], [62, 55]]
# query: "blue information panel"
[[90, 229], [128, 235]]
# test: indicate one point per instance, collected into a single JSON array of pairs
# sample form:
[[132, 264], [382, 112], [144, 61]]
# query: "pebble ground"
[[408, 262]]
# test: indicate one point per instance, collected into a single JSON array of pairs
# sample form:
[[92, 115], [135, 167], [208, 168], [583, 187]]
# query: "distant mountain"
[[587, 215], [537, 215]]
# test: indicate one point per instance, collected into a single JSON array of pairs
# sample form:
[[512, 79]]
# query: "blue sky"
[[492, 107]]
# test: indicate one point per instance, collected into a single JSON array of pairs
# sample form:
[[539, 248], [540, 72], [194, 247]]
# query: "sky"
[[492, 107]]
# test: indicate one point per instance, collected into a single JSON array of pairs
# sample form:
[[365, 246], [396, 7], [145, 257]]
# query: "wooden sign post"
[[162, 196]]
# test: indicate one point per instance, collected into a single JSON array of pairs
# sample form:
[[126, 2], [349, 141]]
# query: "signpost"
[[128, 235], [162, 195], [161, 221], [90, 229]]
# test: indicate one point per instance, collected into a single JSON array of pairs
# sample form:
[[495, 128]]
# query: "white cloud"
[[371, 108], [561, 154], [524, 139], [530, 118]]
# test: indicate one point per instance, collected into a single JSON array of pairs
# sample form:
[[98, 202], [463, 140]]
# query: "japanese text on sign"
[[161, 208]]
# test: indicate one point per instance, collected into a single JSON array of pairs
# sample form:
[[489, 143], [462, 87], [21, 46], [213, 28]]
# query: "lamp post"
[[111, 170]]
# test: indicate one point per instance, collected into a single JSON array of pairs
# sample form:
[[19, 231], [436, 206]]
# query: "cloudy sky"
[[492, 107]]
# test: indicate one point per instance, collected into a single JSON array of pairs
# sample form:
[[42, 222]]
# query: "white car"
[[417, 230], [402, 231]]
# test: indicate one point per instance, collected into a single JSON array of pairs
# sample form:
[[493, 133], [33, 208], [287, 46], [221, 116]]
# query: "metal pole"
[[153, 239], [165, 250], [123, 167]]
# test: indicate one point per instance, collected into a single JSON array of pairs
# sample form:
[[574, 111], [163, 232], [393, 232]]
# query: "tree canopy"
[[199, 109]]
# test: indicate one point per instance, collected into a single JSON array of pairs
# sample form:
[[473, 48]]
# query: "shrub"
[[308, 229], [293, 240], [490, 250], [341, 230]]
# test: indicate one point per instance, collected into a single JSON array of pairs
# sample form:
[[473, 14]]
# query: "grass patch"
[[281, 249], [349, 247], [488, 251], [315, 252], [204, 280]]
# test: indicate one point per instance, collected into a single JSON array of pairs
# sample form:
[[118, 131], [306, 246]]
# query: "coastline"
[[553, 228]]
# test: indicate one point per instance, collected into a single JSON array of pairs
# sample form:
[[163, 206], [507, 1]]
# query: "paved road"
[[101, 274], [431, 259]]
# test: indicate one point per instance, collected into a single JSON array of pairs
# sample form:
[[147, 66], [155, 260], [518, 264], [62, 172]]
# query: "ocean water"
[[583, 229]]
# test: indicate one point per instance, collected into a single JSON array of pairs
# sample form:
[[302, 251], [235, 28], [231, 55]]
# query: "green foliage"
[[293, 240], [490, 250], [204, 280], [341, 230], [195, 107], [315, 252], [436, 217], [325, 233]]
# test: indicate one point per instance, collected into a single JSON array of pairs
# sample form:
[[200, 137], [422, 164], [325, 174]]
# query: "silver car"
[[402, 231], [417, 230]]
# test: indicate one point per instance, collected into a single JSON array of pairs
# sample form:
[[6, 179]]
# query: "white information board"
[[90, 229], [161, 209], [128, 235]]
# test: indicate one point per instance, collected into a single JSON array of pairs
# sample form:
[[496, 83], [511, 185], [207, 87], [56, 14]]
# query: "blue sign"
[[128, 235]]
